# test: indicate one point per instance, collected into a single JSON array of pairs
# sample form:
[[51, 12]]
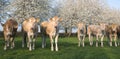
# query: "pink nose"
[[114, 29], [9, 33]]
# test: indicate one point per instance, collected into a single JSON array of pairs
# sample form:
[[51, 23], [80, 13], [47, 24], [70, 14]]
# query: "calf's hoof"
[[33, 48], [56, 49], [52, 49], [102, 46], [23, 46], [83, 45], [30, 49], [5, 48], [78, 45], [96, 45], [11, 47]]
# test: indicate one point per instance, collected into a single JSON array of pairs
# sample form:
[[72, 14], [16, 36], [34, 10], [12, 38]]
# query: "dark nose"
[[103, 31], [113, 31], [81, 31]]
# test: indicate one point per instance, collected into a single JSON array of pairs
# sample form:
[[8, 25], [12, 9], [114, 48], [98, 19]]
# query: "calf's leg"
[[43, 40], [90, 40], [102, 40], [24, 39], [34, 39], [51, 41], [56, 42], [83, 41], [115, 39], [96, 40], [29, 42], [6, 42], [12, 42], [110, 40], [79, 40]]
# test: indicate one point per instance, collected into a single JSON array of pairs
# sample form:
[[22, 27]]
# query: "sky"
[[114, 3]]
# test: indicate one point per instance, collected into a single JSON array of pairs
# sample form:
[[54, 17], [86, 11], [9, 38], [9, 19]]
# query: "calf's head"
[[55, 20], [102, 25], [114, 27]]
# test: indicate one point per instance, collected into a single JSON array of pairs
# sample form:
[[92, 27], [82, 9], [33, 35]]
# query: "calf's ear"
[[60, 19], [2, 24], [37, 20], [51, 19]]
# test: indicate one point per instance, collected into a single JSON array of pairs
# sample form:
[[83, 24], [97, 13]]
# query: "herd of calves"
[[51, 28]]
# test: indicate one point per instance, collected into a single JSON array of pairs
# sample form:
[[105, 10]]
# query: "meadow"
[[68, 49]]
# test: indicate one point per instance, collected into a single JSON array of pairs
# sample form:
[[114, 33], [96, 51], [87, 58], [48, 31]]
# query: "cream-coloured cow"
[[9, 31], [81, 33], [30, 30], [98, 31], [51, 29]]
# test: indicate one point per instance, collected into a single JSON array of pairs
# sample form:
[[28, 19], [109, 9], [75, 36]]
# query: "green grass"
[[68, 49]]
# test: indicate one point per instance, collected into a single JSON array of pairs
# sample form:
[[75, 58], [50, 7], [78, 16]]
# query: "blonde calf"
[[98, 31], [30, 29], [9, 31], [81, 33], [50, 28]]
